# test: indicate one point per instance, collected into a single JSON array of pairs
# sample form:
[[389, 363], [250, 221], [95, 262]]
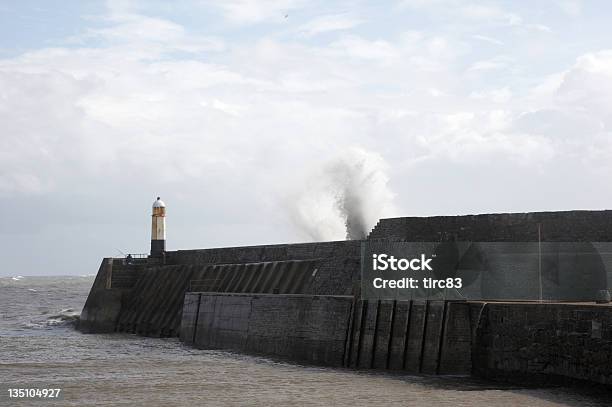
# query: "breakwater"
[[413, 336], [150, 302], [302, 302]]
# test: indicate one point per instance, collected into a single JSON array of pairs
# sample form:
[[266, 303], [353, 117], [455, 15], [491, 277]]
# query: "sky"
[[249, 118]]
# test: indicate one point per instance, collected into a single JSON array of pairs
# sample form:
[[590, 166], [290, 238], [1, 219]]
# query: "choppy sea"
[[40, 348]]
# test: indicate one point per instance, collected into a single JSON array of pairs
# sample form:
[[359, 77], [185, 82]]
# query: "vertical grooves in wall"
[[441, 336], [423, 336], [195, 322], [358, 314], [390, 334], [407, 335], [364, 309], [350, 331], [375, 338]]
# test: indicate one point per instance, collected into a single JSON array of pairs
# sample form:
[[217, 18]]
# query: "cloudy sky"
[[235, 111]]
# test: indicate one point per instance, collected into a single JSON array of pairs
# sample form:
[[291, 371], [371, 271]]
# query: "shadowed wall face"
[[569, 226], [553, 271], [297, 327], [337, 267], [416, 337], [543, 342], [103, 304]]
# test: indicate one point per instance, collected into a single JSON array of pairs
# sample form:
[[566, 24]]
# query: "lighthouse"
[[158, 228]]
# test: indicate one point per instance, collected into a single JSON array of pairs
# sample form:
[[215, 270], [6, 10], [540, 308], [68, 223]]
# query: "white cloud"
[[485, 38], [143, 32], [540, 27], [490, 14], [501, 95], [499, 62], [227, 126], [572, 8], [486, 14], [256, 11], [328, 23], [366, 49], [588, 87], [113, 105], [597, 62]]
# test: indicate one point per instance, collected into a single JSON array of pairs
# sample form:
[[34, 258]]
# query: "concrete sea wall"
[[104, 304], [432, 337], [338, 268], [568, 226], [412, 336], [303, 328], [301, 302], [150, 302], [147, 299], [520, 342], [544, 342]]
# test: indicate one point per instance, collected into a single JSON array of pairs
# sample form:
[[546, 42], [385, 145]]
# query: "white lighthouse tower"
[[158, 228]]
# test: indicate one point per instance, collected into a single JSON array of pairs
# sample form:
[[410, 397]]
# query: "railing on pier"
[[136, 258]]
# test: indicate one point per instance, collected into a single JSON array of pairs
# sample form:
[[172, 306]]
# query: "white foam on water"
[[66, 316]]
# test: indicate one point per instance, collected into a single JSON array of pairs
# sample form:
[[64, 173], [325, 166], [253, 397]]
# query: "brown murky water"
[[38, 347]]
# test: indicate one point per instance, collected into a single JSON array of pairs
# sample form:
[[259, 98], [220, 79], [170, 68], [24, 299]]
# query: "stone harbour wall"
[[432, 337], [302, 328], [544, 342], [301, 302], [337, 273], [568, 226]]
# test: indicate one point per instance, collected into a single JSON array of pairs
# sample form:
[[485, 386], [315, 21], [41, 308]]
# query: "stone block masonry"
[[337, 270], [103, 304], [431, 337], [303, 328], [544, 342], [333, 330], [149, 300], [569, 226]]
